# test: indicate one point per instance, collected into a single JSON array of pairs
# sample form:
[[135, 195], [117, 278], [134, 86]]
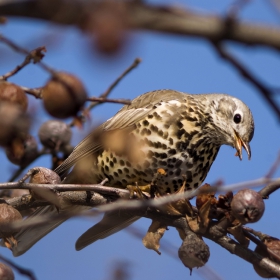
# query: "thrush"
[[178, 132]]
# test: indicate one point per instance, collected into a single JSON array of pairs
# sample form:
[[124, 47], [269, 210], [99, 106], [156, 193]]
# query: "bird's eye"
[[237, 118]]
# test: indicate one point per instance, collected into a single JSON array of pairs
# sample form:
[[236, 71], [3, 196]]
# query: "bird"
[[178, 132]]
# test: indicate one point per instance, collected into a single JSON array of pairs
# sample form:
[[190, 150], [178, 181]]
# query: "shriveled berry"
[[8, 214], [247, 206], [13, 93], [55, 134], [14, 124], [42, 175], [6, 272], [273, 245], [63, 95], [22, 152], [194, 252]]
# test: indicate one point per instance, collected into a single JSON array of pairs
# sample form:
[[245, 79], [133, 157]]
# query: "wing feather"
[[129, 115]]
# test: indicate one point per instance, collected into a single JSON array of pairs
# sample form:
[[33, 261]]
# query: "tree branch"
[[141, 16]]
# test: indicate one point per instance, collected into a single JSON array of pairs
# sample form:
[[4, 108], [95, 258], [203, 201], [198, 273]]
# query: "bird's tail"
[[111, 223], [30, 235]]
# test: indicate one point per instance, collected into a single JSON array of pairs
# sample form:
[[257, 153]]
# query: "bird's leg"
[[139, 191]]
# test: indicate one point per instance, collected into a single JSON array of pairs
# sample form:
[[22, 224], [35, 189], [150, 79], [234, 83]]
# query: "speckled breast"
[[172, 138]]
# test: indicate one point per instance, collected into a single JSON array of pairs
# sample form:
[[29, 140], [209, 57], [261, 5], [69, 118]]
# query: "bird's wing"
[[30, 235], [124, 120], [111, 223]]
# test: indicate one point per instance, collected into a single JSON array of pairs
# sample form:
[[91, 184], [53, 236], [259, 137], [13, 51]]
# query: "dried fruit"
[[194, 252], [22, 152], [13, 93], [55, 134], [154, 235], [6, 272], [247, 206], [42, 175], [63, 95], [273, 246], [8, 215], [14, 124]]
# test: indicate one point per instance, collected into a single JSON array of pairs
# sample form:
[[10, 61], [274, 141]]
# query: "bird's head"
[[234, 121]]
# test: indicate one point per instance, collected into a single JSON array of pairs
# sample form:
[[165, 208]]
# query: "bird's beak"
[[239, 143]]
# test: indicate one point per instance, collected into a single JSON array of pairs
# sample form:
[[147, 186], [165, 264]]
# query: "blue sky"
[[175, 62]]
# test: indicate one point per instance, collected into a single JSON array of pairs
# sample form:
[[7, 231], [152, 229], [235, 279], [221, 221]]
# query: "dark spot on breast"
[[121, 162], [120, 171], [178, 163], [154, 164], [114, 160], [199, 167], [150, 154], [180, 132], [170, 165], [165, 135], [178, 172], [189, 165], [175, 188], [163, 155], [162, 162], [191, 119], [126, 170], [170, 141], [116, 174], [102, 163], [160, 133], [124, 181], [170, 173], [168, 190], [157, 116], [107, 168], [181, 146], [111, 164], [150, 116], [146, 164], [179, 124], [180, 181], [136, 171], [128, 163], [145, 123], [172, 152], [154, 128], [195, 185], [107, 159], [189, 177]]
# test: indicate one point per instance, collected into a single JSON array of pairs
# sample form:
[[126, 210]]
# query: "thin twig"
[[35, 54], [116, 82], [133, 204], [23, 271], [274, 167], [105, 94], [21, 168], [36, 92], [108, 100], [265, 91]]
